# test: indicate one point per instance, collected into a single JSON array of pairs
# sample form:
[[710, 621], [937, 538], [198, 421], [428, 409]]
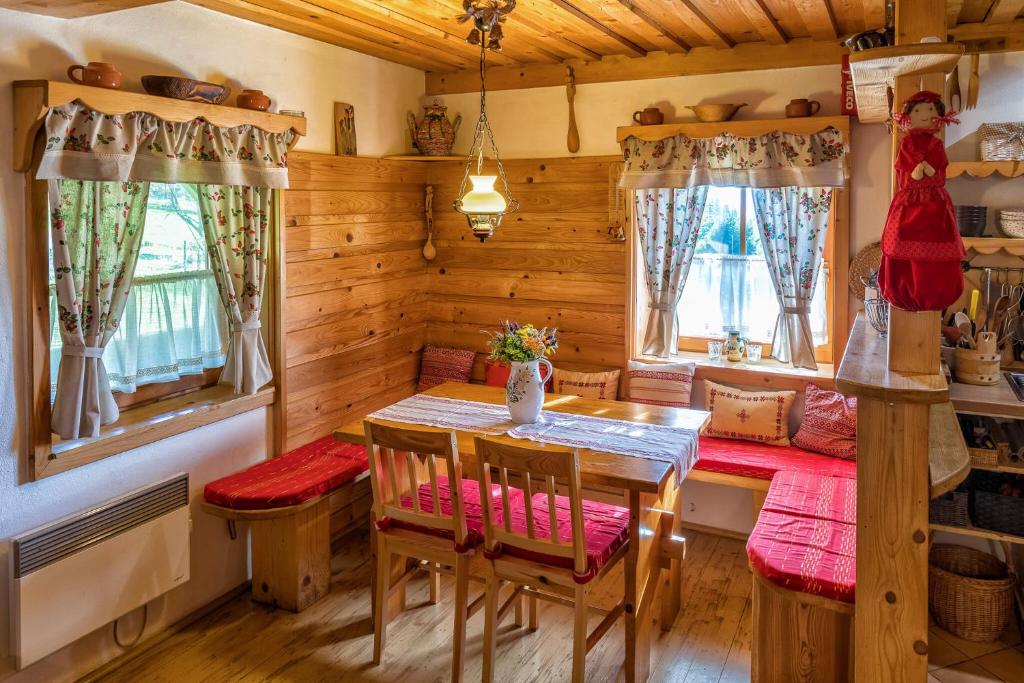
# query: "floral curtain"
[[84, 144], [668, 222], [236, 223], [777, 159], [96, 230], [794, 225]]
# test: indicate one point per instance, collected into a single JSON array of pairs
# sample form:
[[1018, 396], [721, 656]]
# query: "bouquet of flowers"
[[521, 343]]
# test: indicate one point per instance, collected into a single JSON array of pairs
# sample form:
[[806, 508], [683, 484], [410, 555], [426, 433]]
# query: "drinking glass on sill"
[[754, 353], [714, 350]]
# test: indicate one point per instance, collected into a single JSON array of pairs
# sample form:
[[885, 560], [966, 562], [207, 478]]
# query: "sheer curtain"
[[794, 225], [668, 224], [173, 326]]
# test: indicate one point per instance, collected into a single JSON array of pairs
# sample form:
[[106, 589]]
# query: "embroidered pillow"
[[603, 385], [660, 384], [761, 416], [829, 426], [496, 373], [441, 365]]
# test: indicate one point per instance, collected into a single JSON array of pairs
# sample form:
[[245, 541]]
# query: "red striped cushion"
[[661, 384], [758, 461], [829, 425], [440, 365], [471, 507], [295, 477]]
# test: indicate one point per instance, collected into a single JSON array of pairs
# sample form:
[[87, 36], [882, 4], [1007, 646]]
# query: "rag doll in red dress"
[[921, 246]]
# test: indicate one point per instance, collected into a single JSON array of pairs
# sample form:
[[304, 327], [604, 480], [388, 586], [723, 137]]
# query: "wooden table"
[[649, 488]]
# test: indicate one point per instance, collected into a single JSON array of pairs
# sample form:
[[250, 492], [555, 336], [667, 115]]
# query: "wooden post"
[[891, 634]]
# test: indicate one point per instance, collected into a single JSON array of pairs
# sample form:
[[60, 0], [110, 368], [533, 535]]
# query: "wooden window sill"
[[153, 422], [768, 373]]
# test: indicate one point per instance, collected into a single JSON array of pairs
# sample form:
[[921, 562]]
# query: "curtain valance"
[[776, 159], [84, 144]]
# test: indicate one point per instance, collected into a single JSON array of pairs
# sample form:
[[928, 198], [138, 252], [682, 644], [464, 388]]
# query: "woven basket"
[[970, 592], [997, 512], [950, 509], [1002, 141]]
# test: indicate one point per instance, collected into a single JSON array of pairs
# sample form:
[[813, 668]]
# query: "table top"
[[605, 469]]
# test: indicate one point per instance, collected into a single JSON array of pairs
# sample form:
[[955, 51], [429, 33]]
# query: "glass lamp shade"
[[482, 198]]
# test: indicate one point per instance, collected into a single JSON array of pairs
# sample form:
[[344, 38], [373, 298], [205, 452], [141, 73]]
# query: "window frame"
[[175, 408], [836, 300]]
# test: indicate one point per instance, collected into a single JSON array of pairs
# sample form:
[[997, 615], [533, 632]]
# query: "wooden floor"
[[332, 640]]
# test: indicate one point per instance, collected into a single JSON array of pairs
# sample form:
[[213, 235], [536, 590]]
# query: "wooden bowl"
[[185, 89], [713, 113]]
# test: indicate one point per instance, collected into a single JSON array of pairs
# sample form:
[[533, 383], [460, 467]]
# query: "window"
[[173, 334]]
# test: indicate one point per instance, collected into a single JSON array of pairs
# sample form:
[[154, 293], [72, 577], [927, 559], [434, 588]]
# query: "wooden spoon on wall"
[[573, 139]]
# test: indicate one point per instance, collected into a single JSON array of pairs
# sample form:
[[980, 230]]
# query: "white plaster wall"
[[173, 38]]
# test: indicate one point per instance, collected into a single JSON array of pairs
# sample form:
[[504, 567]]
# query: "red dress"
[[921, 246]]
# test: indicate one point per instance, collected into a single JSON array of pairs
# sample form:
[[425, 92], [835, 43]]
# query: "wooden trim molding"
[[748, 128]]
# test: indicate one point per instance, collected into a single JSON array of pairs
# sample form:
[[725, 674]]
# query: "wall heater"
[[86, 570]]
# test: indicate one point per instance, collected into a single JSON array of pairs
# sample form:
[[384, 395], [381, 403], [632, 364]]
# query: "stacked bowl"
[[971, 220], [1011, 222]]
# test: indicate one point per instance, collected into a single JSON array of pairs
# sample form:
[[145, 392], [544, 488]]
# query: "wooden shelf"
[[949, 461], [996, 400], [984, 169], [991, 245], [745, 128], [33, 99], [865, 372], [978, 533], [874, 71], [423, 157]]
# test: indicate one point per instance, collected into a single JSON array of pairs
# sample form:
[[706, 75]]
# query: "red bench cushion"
[[605, 530], [295, 477], [759, 461], [806, 536], [470, 505]]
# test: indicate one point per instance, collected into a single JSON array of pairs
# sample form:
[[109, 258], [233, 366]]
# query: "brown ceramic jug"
[[651, 116], [252, 99], [802, 107], [98, 74]]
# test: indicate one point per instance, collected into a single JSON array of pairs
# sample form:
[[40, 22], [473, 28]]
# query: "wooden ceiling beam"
[[655, 24], [953, 9], [874, 13], [763, 21], [700, 23], [819, 18], [586, 18], [1003, 11], [700, 60], [621, 19]]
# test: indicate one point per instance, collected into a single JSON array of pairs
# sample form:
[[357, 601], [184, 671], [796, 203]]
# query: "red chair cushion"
[[605, 530], [295, 477], [758, 461], [470, 505], [806, 536]]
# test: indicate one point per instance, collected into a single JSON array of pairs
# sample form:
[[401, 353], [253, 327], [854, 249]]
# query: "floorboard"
[[246, 642]]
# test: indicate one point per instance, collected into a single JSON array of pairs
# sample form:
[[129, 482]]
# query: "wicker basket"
[[1002, 141], [950, 509], [984, 457], [970, 592], [993, 510]]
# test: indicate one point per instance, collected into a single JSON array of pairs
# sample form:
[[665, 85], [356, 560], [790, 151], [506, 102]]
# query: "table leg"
[[672, 597]]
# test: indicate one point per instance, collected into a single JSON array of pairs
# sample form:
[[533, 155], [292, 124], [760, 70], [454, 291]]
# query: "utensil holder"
[[977, 366]]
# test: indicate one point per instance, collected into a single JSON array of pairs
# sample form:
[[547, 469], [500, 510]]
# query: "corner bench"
[[288, 503]]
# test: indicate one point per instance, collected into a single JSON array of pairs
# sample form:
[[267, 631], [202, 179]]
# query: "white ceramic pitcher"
[[524, 393]]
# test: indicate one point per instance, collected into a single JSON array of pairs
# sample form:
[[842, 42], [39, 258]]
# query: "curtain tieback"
[[83, 351], [796, 310], [664, 307], [253, 324]]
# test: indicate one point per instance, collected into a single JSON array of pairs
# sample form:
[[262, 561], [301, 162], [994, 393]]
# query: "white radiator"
[[86, 570]]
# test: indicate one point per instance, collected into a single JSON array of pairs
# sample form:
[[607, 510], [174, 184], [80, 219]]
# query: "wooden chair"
[[528, 548], [410, 507]]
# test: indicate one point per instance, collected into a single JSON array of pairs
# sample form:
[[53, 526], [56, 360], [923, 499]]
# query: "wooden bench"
[[802, 553], [294, 504]]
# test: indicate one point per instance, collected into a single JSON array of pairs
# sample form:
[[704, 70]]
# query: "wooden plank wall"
[[552, 263], [356, 283]]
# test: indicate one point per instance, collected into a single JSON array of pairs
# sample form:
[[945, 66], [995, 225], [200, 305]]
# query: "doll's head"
[[924, 110]]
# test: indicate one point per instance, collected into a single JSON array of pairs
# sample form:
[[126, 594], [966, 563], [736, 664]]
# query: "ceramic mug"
[[99, 74], [651, 116], [802, 107]]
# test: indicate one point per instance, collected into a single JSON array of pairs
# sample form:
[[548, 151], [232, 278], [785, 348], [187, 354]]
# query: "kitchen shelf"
[[874, 71], [984, 169], [991, 245], [423, 157], [996, 400], [978, 533]]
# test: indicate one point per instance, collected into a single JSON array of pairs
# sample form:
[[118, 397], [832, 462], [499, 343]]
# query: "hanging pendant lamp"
[[482, 204]]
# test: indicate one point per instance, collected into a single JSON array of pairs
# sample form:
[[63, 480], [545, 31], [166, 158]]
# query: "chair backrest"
[[536, 467], [401, 460]]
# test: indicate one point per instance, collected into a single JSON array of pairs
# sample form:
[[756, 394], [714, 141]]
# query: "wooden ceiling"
[[658, 37]]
